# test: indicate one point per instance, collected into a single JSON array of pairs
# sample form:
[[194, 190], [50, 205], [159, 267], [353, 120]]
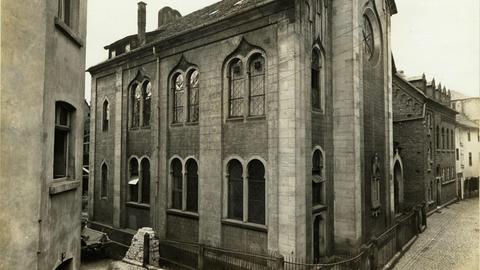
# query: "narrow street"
[[451, 241]]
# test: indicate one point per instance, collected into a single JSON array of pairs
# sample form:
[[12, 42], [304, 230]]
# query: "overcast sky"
[[438, 37]]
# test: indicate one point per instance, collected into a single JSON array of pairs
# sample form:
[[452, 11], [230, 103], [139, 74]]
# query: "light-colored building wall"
[[43, 62], [464, 149]]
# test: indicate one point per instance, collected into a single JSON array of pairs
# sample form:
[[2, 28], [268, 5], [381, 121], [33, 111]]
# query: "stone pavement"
[[451, 241]]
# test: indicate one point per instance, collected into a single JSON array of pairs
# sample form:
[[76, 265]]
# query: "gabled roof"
[[197, 19]]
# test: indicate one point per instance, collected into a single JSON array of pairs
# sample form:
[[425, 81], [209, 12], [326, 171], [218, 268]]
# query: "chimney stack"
[[142, 21]]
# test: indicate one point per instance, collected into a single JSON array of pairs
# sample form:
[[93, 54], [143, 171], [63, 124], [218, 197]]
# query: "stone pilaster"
[[91, 155], [117, 151], [347, 124]]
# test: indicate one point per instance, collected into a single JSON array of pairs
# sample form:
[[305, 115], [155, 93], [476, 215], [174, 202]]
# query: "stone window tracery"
[[368, 38], [257, 86], [184, 185], [193, 99], [178, 89], [236, 88]]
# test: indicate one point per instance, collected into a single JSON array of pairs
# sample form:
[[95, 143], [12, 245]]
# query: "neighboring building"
[[43, 84], [424, 130], [249, 125], [468, 143], [86, 154]]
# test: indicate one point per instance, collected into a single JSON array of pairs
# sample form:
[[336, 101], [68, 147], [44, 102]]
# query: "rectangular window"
[[468, 135], [458, 154], [470, 159], [61, 141]]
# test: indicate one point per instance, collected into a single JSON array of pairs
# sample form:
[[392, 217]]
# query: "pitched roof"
[[463, 120], [197, 19]]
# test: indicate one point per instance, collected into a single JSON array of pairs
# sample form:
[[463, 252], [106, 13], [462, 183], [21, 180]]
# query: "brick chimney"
[[141, 21]]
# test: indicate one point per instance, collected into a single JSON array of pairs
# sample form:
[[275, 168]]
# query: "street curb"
[[443, 206]]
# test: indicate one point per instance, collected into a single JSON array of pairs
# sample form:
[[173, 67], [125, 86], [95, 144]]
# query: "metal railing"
[[375, 255]]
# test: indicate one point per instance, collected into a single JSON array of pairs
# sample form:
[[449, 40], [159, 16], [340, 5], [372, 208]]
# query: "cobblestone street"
[[451, 241]]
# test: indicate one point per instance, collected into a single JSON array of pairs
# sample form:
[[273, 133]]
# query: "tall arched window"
[[134, 178], [438, 137], [177, 183], [136, 95], [315, 77], [236, 88], [104, 182], [105, 115], [192, 185], [317, 178], [193, 86], [256, 192], [452, 141], [257, 85], [147, 101], [235, 190], [447, 137], [145, 181], [178, 89], [443, 138]]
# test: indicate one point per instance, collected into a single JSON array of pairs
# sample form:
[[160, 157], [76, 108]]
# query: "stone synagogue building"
[[261, 125]]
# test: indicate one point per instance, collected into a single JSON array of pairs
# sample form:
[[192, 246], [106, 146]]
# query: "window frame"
[[183, 190], [68, 141], [322, 181], [136, 117], [319, 70], [243, 96], [105, 115], [104, 180], [244, 221], [193, 106], [251, 77], [140, 181]]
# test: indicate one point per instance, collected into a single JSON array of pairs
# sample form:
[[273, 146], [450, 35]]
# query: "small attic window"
[[113, 53], [127, 48], [214, 12], [238, 3]]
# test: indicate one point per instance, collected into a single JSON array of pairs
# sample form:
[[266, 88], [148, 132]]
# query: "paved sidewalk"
[[451, 241]]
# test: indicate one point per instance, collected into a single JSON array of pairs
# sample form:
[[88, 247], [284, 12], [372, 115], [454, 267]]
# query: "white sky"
[[438, 37]]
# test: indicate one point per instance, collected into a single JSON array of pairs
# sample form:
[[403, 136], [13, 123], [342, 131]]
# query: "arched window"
[[192, 185], [104, 182], [398, 186], [145, 183], [447, 137], [319, 233], [257, 85], [134, 178], [147, 101], [368, 38], [235, 190], [136, 95], [105, 115], [317, 178], [193, 86], [316, 83], [443, 138], [452, 141], [178, 88], [177, 183], [438, 137], [256, 192], [236, 88]]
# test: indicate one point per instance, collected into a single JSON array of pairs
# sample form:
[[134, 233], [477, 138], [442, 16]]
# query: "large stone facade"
[[424, 134], [42, 107], [320, 137]]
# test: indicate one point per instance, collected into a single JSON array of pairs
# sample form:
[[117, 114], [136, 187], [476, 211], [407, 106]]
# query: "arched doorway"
[[319, 241]]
